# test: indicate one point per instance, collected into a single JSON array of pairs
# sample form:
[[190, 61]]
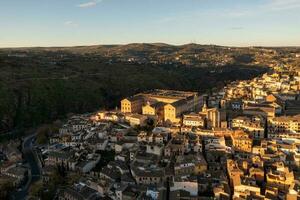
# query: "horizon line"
[[153, 43]]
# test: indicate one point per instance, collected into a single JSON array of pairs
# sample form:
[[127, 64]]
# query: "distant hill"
[[188, 54]]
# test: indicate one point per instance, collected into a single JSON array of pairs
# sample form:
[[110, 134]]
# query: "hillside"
[[188, 55]]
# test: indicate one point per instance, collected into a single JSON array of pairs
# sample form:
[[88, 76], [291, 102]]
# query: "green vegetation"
[[106, 157], [45, 131], [5, 188], [42, 134], [58, 178], [40, 190], [36, 189]]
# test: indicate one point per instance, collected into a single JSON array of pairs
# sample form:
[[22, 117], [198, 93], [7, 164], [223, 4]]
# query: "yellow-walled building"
[[241, 141], [281, 178], [154, 110], [132, 104], [173, 112], [148, 110], [284, 124]]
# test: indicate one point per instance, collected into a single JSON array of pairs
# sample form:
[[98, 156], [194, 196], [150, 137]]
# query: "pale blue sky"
[[89, 22]]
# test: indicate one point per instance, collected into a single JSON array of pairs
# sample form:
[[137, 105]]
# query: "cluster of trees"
[[46, 130], [57, 178], [5, 189]]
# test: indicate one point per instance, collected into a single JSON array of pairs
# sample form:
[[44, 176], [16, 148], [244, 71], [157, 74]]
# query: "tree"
[[5, 189], [55, 126], [36, 189], [42, 134], [150, 124], [44, 131]]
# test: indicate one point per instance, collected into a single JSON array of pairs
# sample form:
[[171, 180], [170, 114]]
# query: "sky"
[[93, 22]]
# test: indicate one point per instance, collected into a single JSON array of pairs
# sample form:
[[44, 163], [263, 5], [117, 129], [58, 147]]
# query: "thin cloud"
[[89, 4], [275, 5], [71, 24]]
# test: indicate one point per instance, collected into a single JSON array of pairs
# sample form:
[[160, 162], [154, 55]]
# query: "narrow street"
[[35, 172]]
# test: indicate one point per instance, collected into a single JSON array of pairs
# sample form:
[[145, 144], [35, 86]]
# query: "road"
[[31, 158]]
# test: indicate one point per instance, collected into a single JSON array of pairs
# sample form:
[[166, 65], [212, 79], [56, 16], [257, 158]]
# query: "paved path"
[[35, 172]]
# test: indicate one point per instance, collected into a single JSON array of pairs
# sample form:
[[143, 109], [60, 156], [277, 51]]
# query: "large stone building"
[[132, 104], [215, 117], [167, 105], [173, 111]]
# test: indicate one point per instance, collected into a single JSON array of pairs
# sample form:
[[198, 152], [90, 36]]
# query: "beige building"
[[241, 141], [148, 176], [215, 117], [284, 124], [132, 104], [168, 96], [173, 112], [282, 178], [252, 126], [234, 173], [194, 120], [154, 110], [267, 111], [136, 119]]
